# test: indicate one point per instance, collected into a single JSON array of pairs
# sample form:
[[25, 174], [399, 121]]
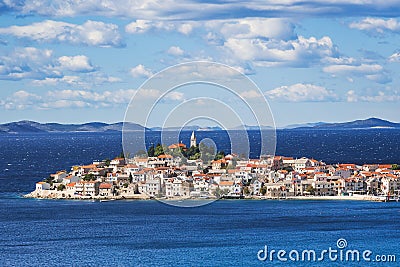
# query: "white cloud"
[[28, 63], [138, 26], [351, 96], [350, 67], [395, 57], [148, 93], [20, 100], [299, 52], [381, 78], [41, 66], [250, 94], [175, 51], [142, 26], [381, 96], [301, 93], [186, 28], [273, 28], [75, 63], [249, 28], [91, 33], [141, 71], [55, 99], [177, 96], [249, 41], [69, 80], [354, 69], [68, 98], [377, 25], [86, 81], [61, 104]]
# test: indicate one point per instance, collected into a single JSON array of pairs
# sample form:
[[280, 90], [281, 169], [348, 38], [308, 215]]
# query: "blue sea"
[[223, 233]]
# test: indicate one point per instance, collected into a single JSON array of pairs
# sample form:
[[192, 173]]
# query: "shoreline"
[[368, 198]]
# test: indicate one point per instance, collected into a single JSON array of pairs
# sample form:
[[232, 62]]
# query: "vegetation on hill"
[[202, 151]]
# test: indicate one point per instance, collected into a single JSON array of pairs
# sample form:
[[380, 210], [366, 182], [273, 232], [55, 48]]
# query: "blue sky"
[[80, 61]]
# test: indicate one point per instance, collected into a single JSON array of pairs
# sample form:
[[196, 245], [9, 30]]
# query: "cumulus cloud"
[[141, 71], [245, 42], [299, 52], [91, 33], [28, 63], [377, 26], [75, 63], [43, 68], [175, 51], [301, 93]]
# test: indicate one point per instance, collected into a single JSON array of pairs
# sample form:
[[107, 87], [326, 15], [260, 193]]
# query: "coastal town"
[[162, 175]]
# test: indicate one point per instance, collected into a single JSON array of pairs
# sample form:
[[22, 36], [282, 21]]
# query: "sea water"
[[224, 233]]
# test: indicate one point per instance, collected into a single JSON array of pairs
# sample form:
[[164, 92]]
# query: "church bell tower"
[[193, 141]]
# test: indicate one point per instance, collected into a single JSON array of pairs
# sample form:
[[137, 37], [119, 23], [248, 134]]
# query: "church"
[[193, 141]]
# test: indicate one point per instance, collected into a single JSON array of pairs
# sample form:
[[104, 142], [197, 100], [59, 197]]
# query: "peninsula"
[[179, 172]]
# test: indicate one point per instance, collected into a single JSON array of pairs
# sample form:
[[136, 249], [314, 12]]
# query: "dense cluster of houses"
[[171, 177]]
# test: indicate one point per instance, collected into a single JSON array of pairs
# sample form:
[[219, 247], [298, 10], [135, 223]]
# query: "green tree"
[[130, 178], [49, 180], [234, 162], [288, 169], [150, 151], [141, 153], [263, 191], [310, 189], [246, 190], [159, 150], [61, 187], [89, 177], [220, 155], [136, 190], [121, 155], [395, 167], [107, 162]]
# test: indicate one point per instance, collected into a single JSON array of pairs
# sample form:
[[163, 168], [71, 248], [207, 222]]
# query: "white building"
[[193, 141]]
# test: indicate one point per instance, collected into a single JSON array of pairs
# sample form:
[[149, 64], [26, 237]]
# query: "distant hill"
[[304, 125], [36, 127], [371, 123], [187, 128], [252, 128]]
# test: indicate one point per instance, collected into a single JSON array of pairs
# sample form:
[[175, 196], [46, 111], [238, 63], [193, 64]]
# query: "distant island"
[[177, 172], [36, 127]]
